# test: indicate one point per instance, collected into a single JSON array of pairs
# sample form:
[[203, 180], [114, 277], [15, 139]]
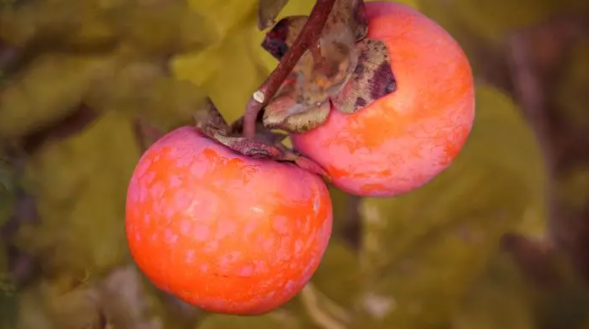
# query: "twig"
[[308, 37]]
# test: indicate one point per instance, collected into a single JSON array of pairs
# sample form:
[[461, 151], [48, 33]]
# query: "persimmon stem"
[[308, 37]]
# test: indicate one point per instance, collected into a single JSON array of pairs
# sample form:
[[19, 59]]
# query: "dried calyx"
[[346, 69], [266, 144]]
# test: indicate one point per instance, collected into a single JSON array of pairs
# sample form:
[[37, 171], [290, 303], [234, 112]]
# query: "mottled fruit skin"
[[224, 232], [402, 140]]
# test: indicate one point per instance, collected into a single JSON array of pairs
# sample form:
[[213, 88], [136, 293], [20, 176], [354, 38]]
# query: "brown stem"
[[308, 37]]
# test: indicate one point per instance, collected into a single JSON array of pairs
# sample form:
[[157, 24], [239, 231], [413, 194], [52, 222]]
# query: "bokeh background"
[[499, 240]]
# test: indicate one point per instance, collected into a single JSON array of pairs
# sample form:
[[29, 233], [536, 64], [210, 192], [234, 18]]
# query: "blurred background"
[[499, 240]]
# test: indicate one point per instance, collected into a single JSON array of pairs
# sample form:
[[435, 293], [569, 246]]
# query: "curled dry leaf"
[[346, 16], [285, 113], [281, 37], [322, 70], [371, 80], [343, 61], [266, 144], [267, 12]]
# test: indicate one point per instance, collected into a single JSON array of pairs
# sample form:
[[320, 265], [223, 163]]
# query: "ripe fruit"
[[402, 140], [222, 231]]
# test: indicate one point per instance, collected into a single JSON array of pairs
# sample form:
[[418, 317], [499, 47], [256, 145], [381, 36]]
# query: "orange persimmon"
[[402, 140], [222, 231]]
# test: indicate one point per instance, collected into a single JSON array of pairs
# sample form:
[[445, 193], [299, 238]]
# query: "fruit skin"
[[402, 140], [224, 232]]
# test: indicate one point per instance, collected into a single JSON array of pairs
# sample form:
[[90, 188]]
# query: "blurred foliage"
[[492, 20], [428, 245], [572, 94], [6, 191], [428, 259], [80, 187], [499, 291]]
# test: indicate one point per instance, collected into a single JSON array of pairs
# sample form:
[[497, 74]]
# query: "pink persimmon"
[[225, 232], [404, 139]]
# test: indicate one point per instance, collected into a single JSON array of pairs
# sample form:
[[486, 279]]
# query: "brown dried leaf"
[[371, 80], [281, 37], [252, 147], [265, 145], [262, 134], [322, 72], [210, 121], [267, 12], [260, 149], [286, 113], [347, 15], [309, 119], [322, 75], [353, 14]]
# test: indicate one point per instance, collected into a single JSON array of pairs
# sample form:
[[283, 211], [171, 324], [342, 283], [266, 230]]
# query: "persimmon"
[[223, 231], [400, 141]]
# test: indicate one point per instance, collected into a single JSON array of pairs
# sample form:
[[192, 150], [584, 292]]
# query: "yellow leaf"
[[227, 15], [233, 74], [164, 28], [80, 184], [50, 88]]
